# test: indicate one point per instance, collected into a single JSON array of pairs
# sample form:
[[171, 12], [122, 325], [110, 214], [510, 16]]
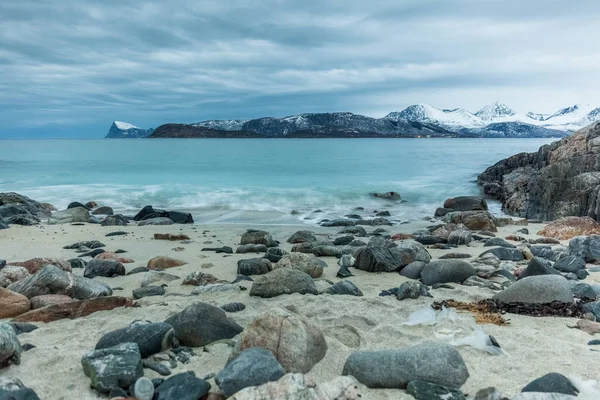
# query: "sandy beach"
[[535, 346]]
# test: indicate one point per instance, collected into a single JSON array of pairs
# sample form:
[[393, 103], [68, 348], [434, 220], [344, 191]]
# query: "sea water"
[[254, 180]]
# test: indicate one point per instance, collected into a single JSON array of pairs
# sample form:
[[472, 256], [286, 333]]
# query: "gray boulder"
[[201, 324], [306, 263], [412, 290], [10, 346], [184, 386], [552, 383], [254, 266], [151, 337], [105, 268], [538, 266], [466, 203], [14, 389], [104, 210], [148, 291], [537, 289], [258, 237], [283, 281], [433, 362], [274, 254], [156, 221], [251, 248], [69, 216], [445, 271], [114, 367], [430, 391], [354, 230], [252, 367], [592, 308], [460, 237], [302, 237], [384, 259], [586, 247], [583, 291], [569, 264], [413, 270], [115, 220], [505, 254], [344, 288], [496, 241]]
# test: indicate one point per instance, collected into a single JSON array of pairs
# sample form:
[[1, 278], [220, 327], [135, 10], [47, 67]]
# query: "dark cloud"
[[70, 68]]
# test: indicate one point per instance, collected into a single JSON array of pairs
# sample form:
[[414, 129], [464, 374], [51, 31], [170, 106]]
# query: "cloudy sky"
[[69, 68]]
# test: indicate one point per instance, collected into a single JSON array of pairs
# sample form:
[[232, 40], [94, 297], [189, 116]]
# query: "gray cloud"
[[72, 67]]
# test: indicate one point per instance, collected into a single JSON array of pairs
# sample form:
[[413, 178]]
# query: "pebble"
[[157, 367], [143, 389]]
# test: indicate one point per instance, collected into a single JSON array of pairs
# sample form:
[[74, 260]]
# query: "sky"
[[69, 68]]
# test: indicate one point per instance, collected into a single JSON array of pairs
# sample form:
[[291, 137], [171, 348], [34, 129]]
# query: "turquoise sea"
[[253, 180]]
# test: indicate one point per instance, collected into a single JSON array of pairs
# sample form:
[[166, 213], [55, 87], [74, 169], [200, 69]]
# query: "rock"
[[107, 255], [495, 241], [104, 210], [570, 227], [460, 237], [434, 362], [252, 248], [586, 247], [92, 253], [429, 391], [69, 216], [283, 281], [454, 256], [568, 264], [143, 389], [388, 196], [157, 367], [164, 262], [583, 291], [90, 244], [552, 383], [445, 271], [274, 254], [338, 222], [538, 266], [353, 230], [183, 386], [156, 221], [258, 237], [49, 300], [254, 266], [77, 263], [233, 307], [115, 220], [199, 278], [53, 280], [151, 337], [343, 241], [155, 277], [343, 287], [295, 342], [137, 270], [473, 220], [148, 212], [302, 237], [505, 254], [545, 252], [302, 387], [429, 239], [114, 367], [537, 289], [383, 259], [542, 396], [11, 274], [216, 288], [306, 263], [413, 270], [201, 324], [35, 264], [75, 309], [252, 367], [170, 237], [104, 268], [466, 203], [374, 222], [14, 389], [412, 290], [148, 291], [592, 308], [480, 282], [10, 347]]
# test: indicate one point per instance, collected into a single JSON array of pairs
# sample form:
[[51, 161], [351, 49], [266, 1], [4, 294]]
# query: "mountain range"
[[494, 120]]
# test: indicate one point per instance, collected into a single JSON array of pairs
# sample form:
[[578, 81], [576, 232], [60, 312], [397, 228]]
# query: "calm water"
[[225, 180]]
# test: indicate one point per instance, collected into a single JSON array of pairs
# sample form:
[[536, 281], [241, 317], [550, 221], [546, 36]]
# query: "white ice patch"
[[125, 125]]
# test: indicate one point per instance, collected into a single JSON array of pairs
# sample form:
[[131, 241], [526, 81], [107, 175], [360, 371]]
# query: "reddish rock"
[[35, 264], [107, 255], [402, 236], [12, 304], [49, 300], [569, 227], [76, 309], [515, 238], [163, 262], [168, 236]]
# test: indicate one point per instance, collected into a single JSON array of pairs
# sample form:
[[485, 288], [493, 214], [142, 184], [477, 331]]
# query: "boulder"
[[552, 383], [151, 337], [343, 287], [164, 262], [433, 362], [49, 300], [537, 289], [109, 255], [252, 248], [14, 389], [10, 347], [201, 324], [73, 310], [538, 266], [473, 220], [156, 221], [302, 237], [69, 216], [12, 304], [148, 212], [115, 220], [586, 247], [570, 227], [568, 264], [156, 277], [412, 290], [306, 263], [254, 266], [466, 203], [387, 196], [183, 386], [274, 254], [283, 281], [505, 254], [252, 367], [354, 230], [114, 367], [258, 237], [296, 343], [35, 264], [105, 268], [199, 278], [460, 237], [27, 205], [384, 259], [413, 270], [429, 391], [592, 308], [496, 241], [445, 271], [11, 274], [171, 237], [104, 210], [148, 291]]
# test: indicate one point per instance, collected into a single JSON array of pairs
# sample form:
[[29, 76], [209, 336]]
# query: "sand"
[[536, 346]]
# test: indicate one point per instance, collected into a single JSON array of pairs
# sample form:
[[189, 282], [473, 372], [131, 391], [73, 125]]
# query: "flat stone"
[[283, 281], [148, 291], [343, 288], [151, 337], [76, 309], [183, 386], [505, 254], [537, 289], [114, 367]]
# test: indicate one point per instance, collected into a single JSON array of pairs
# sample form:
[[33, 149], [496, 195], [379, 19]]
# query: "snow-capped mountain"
[[120, 130], [495, 112], [223, 125], [449, 119]]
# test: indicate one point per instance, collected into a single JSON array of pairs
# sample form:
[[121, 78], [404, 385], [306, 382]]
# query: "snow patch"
[[125, 125]]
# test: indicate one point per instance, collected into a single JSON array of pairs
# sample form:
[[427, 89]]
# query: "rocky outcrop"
[[561, 179]]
